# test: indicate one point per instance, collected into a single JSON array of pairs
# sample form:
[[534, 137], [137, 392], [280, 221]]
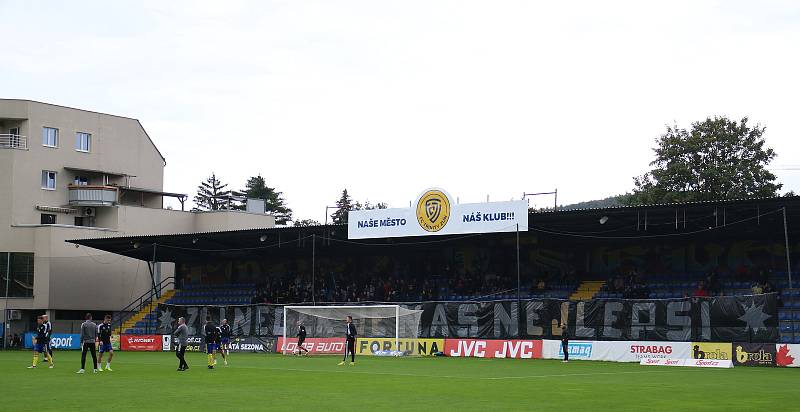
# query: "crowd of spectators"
[[334, 287], [632, 285], [399, 286]]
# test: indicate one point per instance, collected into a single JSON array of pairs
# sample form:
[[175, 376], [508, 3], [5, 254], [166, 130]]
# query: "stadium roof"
[[732, 218]]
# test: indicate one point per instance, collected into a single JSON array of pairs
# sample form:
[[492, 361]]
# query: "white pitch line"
[[346, 370], [568, 375]]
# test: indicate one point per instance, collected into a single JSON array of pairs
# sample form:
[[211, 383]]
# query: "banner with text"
[[617, 351], [491, 348], [754, 354], [409, 347], [313, 345], [59, 341], [149, 343], [719, 319], [435, 213]]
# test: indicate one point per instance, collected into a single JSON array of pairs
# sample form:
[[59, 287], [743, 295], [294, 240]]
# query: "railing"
[[121, 316], [93, 195], [13, 141]]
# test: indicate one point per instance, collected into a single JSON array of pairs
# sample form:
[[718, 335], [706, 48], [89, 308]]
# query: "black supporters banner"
[[716, 319]]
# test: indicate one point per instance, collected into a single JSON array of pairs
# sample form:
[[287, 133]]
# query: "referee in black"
[[565, 342], [351, 342]]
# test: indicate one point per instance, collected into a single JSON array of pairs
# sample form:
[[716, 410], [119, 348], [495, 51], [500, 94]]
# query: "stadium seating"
[[145, 322], [216, 294], [660, 287]]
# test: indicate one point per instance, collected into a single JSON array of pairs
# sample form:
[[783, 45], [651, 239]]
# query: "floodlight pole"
[[786, 239], [313, 268], [326, 212], [519, 297], [152, 266], [5, 309]]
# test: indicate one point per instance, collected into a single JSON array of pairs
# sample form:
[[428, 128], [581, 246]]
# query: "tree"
[[346, 204], [212, 195], [369, 206], [306, 223], [256, 188], [343, 205], [717, 159]]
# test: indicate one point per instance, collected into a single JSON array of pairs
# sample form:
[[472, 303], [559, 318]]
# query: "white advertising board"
[[692, 363], [617, 351], [435, 213]]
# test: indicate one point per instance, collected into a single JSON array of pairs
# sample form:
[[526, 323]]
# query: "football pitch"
[[149, 381]]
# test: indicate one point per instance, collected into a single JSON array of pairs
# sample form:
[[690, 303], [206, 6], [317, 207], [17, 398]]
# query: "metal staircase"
[[587, 289], [138, 314]]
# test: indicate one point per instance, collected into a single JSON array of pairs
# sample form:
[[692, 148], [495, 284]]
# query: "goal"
[[387, 329]]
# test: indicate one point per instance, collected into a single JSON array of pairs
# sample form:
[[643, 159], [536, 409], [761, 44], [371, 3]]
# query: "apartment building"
[[67, 173]]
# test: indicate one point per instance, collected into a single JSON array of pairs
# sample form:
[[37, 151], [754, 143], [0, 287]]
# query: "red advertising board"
[[314, 345], [140, 342], [488, 348]]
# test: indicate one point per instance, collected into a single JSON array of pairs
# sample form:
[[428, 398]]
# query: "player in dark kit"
[[301, 338], [225, 332], [565, 342], [104, 335], [48, 335], [210, 335], [350, 336], [218, 346], [40, 344]]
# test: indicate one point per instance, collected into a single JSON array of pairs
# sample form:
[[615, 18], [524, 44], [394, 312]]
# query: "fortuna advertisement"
[[436, 213], [415, 347]]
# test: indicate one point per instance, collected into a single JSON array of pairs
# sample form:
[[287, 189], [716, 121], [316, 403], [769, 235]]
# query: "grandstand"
[[574, 255]]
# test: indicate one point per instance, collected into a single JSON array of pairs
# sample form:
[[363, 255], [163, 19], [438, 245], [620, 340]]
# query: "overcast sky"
[[388, 98]]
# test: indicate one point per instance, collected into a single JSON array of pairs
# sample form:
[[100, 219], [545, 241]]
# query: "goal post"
[[384, 323]]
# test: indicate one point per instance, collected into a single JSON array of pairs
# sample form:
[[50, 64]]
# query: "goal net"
[[381, 329]]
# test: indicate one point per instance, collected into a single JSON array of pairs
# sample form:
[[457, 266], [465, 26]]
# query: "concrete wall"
[[118, 145], [231, 220], [70, 278]]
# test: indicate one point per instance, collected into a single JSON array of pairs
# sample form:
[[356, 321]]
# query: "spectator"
[[701, 291], [541, 285], [712, 282]]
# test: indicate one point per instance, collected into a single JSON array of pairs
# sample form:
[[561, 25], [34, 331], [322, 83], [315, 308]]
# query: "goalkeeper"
[[351, 342], [301, 338]]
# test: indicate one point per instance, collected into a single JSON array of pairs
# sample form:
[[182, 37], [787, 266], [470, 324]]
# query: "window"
[[48, 180], [49, 137], [81, 181], [79, 221], [48, 219], [83, 142], [20, 283]]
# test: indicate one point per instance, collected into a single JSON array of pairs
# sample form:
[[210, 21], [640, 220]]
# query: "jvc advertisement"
[[436, 213]]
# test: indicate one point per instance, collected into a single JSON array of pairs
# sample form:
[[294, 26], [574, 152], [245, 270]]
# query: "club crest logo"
[[433, 210]]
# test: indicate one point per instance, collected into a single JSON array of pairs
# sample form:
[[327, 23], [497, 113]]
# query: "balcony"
[[93, 195], [13, 141]]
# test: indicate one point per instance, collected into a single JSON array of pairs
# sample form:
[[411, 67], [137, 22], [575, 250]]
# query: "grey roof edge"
[[677, 204]]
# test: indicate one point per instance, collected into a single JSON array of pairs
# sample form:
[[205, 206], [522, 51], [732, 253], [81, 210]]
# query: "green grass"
[[148, 381]]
